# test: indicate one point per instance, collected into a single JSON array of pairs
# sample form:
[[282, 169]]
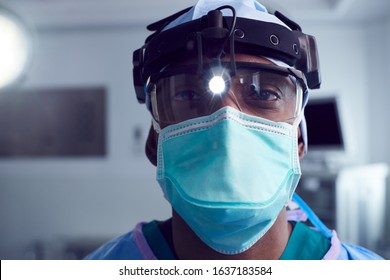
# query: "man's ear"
[[301, 145], [151, 146]]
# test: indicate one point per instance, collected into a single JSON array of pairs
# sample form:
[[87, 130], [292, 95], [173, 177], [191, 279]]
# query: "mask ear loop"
[[156, 126], [294, 130]]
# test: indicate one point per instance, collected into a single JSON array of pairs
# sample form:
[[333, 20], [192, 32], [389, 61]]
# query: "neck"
[[187, 244]]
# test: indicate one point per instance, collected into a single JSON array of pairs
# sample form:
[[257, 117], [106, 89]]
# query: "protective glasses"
[[267, 91]]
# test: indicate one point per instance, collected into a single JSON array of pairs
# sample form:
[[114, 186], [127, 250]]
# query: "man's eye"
[[187, 95], [262, 94]]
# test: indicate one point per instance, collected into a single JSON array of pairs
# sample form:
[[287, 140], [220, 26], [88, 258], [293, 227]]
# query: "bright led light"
[[217, 85], [14, 49]]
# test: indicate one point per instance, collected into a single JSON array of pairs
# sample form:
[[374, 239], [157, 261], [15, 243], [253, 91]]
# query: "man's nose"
[[228, 99]]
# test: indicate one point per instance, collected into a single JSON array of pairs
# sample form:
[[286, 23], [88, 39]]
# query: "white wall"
[[378, 91], [378, 61], [343, 66], [46, 200], [355, 63], [355, 66], [50, 200]]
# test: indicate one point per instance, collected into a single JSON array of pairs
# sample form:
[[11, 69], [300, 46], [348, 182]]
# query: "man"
[[226, 83]]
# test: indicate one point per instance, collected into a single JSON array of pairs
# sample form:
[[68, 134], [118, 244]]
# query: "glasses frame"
[[223, 68]]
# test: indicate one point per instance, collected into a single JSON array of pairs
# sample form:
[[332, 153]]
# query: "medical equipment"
[[213, 37], [264, 90]]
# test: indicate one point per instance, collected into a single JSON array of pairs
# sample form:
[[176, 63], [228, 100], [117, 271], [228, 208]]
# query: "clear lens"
[[270, 92]]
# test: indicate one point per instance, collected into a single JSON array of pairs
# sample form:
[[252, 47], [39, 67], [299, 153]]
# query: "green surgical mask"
[[228, 175]]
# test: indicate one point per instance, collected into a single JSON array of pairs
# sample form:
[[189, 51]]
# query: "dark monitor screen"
[[53, 122], [323, 124]]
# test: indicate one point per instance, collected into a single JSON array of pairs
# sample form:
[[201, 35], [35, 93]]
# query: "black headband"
[[208, 32]]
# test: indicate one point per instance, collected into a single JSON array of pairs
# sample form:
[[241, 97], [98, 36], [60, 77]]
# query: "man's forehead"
[[251, 58]]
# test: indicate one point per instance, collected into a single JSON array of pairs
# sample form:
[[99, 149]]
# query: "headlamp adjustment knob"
[[274, 39]]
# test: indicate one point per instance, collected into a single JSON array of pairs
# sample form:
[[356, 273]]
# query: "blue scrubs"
[[146, 242]]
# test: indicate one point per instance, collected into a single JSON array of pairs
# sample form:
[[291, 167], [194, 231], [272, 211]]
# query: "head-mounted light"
[[218, 80], [217, 85], [214, 36]]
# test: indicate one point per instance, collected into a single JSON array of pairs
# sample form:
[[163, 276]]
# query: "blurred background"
[[73, 173]]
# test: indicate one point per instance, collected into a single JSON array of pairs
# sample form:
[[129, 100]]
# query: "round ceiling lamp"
[[15, 47]]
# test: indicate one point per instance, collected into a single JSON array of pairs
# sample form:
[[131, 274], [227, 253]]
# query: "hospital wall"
[[377, 40], [46, 203]]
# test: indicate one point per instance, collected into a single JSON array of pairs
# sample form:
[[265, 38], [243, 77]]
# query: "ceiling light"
[[15, 47]]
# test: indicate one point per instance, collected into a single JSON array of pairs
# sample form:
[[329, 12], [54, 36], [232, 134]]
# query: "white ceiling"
[[82, 13]]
